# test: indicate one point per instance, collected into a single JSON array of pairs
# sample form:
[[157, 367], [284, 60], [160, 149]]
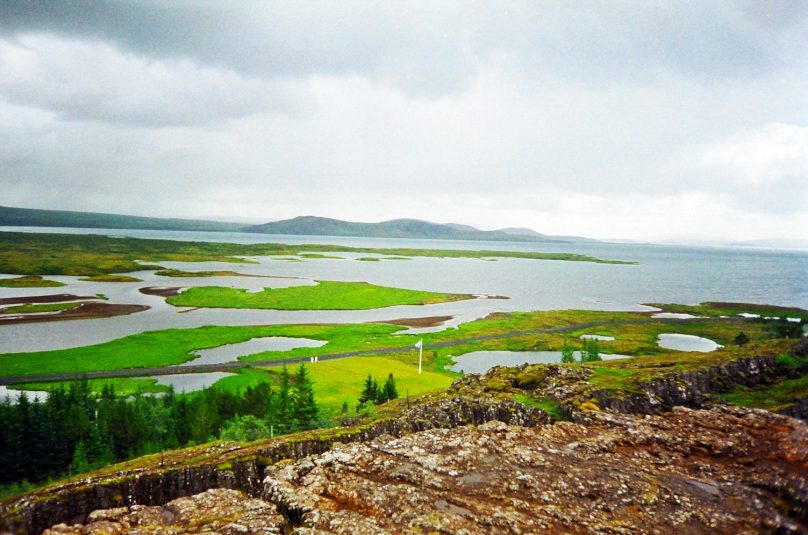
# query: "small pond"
[[687, 342], [482, 361], [188, 382], [14, 395], [231, 352], [673, 315]]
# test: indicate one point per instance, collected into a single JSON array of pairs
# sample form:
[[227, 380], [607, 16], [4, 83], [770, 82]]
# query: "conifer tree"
[[741, 339], [284, 399], [370, 392], [590, 351], [80, 463], [389, 388], [567, 354], [305, 408]]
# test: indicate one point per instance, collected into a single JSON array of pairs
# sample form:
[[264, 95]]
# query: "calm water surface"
[[687, 342], [482, 361], [189, 382], [231, 352]]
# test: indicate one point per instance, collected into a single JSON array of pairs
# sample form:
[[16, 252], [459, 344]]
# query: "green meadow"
[[634, 336], [340, 381], [174, 346], [325, 295]]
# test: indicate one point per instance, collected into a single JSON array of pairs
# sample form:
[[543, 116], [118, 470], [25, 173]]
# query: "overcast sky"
[[610, 119]]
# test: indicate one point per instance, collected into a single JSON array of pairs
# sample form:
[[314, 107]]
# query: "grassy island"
[[325, 295], [38, 308], [25, 253], [110, 278], [29, 282], [181, 273]]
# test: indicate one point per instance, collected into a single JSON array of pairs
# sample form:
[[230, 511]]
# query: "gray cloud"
[[429, 47], [555, 115]]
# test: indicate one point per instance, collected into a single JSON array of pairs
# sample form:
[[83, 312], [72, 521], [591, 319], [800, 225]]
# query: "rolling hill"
[[29, 217], [396, 228], [303, 225]]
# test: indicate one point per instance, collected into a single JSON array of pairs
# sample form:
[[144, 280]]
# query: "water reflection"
[[482, 361], [188, 382], [231, 352], [14, 395], [687, 342]]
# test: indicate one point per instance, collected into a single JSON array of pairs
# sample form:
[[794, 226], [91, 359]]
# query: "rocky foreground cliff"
[[654, 456], [725, 470]]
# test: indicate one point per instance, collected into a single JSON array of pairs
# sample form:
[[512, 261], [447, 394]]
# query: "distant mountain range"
[[28, 217], [303, 225], [397, 228]]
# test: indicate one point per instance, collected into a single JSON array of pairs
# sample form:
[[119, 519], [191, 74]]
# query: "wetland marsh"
[[199, 331]]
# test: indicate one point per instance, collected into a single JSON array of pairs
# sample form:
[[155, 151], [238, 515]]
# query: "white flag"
[[419, 344]]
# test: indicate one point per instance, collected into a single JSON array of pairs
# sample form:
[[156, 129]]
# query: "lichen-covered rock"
[[719, 471], [72, 502], [723, 470], [221, 511]]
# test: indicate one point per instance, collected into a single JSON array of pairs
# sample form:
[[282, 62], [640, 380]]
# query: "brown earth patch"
[[53, 298], [160, 291], [84, 311], [429, 321]]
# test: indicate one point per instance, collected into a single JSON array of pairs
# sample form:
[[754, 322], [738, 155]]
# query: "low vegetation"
[[325, 295], [635, 333], [87, 254], [122, 386], [339, 382], [28, 282], [320, 256], [38, 307], [175, 346], [624, 373], [775, 397], [181, 273], [110, 278], [716, 309]]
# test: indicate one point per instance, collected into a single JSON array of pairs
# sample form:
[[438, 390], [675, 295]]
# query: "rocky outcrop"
[[798, 409], [571, 386], [222, 511], [229, 466], [724, 470], [605, 471], [690, 388]]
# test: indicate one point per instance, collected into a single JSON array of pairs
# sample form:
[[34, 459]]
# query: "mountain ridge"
[[33, 217], [394, 228], [301, 225]]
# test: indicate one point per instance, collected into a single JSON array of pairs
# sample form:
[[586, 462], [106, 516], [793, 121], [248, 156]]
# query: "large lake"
[[664, 274]]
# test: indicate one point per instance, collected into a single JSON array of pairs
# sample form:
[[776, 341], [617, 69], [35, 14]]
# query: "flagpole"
[[420, 357]]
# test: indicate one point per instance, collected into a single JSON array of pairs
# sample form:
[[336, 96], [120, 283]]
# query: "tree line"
[[590, 351], [375, 394], [74, 430]]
